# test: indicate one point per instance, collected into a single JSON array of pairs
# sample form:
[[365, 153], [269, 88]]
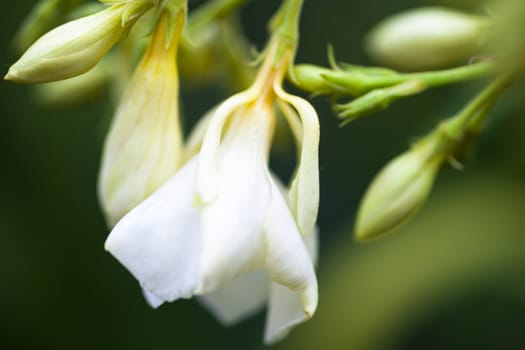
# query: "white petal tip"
[[109, 244], [152, 300], [309, 301]]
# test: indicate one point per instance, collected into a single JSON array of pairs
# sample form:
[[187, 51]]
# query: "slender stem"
[[285, 28], [361, 80], [434, 78], [481, 104]]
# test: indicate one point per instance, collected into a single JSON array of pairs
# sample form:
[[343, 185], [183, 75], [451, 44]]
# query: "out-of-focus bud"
[[144, 146], [400, 189], [427, 38], [216, 52], [506, 39], [75, 47], [198, 59]]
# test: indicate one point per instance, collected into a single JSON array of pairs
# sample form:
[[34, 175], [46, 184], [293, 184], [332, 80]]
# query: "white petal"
[[304, 192], [158, 241], [208, 170], [153, 300], [288, 263], [238, 299], [284, 312], [294, 122], [312, 244], [232, 224]]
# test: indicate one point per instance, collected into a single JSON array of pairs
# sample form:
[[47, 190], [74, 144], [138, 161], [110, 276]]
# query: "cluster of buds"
[[374, 89], [206, 217]]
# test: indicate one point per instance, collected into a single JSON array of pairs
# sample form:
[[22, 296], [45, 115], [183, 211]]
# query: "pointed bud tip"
[[14, 75], [11, 76]]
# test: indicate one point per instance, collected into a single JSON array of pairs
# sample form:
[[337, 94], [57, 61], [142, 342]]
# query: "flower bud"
[[426, 38], [75, 47], [399, 190], [311, 78]]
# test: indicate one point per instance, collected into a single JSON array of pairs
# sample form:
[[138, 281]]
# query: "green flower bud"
[[75, 47], [427, 38], [400, 189], [310, 78]]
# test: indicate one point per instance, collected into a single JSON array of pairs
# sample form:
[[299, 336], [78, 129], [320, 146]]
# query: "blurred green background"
[[454, 278]]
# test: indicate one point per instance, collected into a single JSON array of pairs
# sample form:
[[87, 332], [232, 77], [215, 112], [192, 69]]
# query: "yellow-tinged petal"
[[304, 191], [144, 146]]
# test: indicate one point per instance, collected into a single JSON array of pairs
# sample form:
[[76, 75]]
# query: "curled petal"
[[159, 241], [284, 312], [293, 121], [290, 265], [208, 169], [304, 191], [239, 298]]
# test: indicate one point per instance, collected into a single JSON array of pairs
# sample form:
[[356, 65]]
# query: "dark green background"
[[451, 279]]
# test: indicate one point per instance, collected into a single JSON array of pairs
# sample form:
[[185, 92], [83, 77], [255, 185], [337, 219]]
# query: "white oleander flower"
[[75, 47], [144, 146], [221, 228]]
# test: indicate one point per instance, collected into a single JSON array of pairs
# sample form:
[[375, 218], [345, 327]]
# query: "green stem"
[[451, 76], [359, 82], [479, 107], [285, 27]]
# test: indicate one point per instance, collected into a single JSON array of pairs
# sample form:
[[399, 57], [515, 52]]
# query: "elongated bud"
[[426, 38], [75, 47], [399, 190], [144, 146]]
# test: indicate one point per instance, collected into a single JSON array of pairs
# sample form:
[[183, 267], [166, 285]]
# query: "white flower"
[[144, 146], [221, 228]]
